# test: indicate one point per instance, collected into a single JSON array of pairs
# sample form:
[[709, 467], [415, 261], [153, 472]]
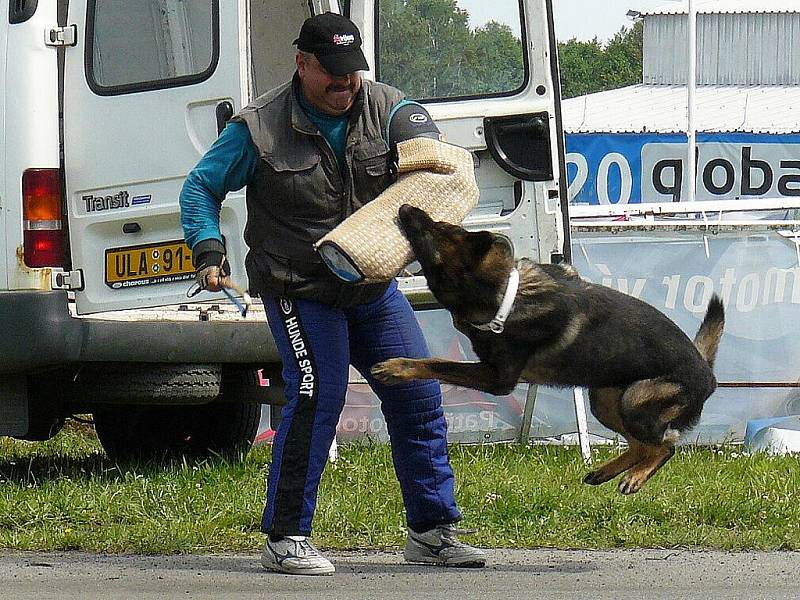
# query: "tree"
[[497, 61], [588, 67], [421, 45], [428, 49]]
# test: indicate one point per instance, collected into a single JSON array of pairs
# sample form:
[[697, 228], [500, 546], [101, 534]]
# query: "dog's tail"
[[707, 339]]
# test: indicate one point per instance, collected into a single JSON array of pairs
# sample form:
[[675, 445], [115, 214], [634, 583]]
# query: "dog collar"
[[497, 324]]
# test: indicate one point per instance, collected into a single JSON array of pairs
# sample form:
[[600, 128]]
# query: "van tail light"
[[42, 218]]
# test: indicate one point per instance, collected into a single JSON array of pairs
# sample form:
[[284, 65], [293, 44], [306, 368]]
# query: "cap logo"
[[343, 39], [418, 118]]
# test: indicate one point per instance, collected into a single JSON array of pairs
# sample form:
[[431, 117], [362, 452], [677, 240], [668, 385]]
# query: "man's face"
[[331, 94]]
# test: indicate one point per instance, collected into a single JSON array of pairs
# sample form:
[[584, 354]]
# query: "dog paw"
[[630, 484], [595, 478], [393, 370]]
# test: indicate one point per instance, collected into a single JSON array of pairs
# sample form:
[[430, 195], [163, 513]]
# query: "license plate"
[[148, 265]]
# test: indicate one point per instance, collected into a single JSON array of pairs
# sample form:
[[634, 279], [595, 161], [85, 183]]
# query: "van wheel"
[[42, 427], [221, 428], [46, 409], [154, 383]]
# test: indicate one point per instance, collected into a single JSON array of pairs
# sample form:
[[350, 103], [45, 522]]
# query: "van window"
[[442, 49], [148, 44]]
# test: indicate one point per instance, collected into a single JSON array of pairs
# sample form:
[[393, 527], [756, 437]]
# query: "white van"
[[107, 104]]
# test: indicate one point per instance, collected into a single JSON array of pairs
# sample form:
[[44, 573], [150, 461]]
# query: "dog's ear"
[[480, 243], [503, 244], [490, 253]]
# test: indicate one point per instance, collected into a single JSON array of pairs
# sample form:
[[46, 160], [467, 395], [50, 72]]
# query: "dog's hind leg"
[[634, 479], [604, 403], [648, 408], [631, 457]]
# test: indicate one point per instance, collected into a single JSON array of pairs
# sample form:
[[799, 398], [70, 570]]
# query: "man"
[[311, 152]]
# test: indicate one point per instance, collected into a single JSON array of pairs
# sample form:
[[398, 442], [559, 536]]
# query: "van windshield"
[[443, 49]]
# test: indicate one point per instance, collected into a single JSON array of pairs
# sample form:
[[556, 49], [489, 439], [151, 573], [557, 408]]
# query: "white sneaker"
[[296, 555], [440, 546]]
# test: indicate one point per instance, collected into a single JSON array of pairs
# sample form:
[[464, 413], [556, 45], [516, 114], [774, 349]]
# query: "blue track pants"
[[317, 344]]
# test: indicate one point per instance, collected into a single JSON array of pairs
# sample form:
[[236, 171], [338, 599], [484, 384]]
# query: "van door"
[[3, 193], [147, 87], [488, 74]]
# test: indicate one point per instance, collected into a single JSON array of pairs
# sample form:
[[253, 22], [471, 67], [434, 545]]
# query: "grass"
[[65, 495]]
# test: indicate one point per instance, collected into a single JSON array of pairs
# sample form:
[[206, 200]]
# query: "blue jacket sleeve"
[[227, 166]]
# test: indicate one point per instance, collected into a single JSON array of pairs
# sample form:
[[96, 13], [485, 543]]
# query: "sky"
[[581, 19], [586, 19]]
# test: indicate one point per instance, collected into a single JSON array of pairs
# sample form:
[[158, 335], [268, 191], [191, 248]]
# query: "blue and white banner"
[[639, 168]]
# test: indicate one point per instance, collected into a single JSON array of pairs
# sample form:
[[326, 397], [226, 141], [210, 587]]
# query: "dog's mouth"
[[418, 226], [412, 218]]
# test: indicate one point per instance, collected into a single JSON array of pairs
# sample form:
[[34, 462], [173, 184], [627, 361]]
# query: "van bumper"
[[39, 332]]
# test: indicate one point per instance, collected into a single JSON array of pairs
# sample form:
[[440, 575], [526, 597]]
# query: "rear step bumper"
[[40, 332]]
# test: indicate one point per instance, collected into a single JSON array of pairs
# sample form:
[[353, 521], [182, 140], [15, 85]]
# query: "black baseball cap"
[[335, 41]]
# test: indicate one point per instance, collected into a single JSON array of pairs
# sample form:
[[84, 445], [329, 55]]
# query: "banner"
[[638, 168]]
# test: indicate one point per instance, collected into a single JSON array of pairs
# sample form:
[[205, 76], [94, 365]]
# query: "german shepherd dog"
[[647, 380]]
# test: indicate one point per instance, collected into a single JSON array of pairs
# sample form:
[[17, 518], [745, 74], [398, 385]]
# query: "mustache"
[[341, 88]]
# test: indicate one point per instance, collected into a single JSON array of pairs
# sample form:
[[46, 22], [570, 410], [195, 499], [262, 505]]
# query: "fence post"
[[583, 426], [527, 415]]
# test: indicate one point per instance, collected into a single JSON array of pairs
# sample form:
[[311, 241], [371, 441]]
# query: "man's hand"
[[211, 267]]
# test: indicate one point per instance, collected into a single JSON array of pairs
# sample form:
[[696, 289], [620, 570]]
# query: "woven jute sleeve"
[[436, 177]]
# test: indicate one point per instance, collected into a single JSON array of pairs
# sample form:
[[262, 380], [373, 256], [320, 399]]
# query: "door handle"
[[520, 145], [534, 126], [224, 114]]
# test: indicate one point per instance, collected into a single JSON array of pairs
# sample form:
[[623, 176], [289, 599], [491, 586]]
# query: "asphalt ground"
[[553, 574]]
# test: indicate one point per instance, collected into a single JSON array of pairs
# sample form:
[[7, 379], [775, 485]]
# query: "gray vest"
[[299, 193]]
